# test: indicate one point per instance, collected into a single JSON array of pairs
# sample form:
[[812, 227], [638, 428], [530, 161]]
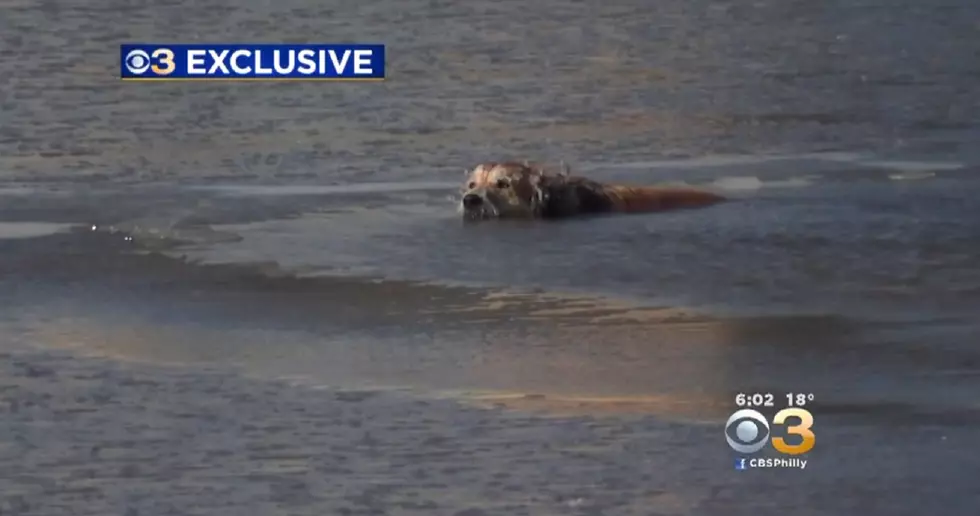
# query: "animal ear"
[[563, 168]]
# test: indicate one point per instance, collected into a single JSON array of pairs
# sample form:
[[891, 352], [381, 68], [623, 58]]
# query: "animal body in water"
[[524, 190]]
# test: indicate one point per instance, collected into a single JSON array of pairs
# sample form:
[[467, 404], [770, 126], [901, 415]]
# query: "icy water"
[[259, 298]]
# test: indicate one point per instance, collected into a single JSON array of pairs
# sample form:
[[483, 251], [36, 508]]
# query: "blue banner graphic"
[[259, 61]]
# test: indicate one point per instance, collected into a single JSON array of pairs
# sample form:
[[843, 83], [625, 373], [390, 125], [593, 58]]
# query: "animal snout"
[[472, 200]]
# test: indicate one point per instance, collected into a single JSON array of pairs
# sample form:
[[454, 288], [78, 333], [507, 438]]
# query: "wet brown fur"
[[511, 189]]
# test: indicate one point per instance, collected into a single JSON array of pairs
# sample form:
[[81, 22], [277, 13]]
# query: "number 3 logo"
[[802, 429], [166, 57]]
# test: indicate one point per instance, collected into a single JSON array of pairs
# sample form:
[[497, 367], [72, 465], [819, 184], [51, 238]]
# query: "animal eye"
[[502, 183], [472, 185]]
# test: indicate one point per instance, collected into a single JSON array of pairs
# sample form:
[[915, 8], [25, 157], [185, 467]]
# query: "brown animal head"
[[503, 190]]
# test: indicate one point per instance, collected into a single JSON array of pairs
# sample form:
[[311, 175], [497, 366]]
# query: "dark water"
[[259, 298]]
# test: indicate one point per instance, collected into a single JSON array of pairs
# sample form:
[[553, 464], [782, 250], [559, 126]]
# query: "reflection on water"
[[30, 229], [574, 350]]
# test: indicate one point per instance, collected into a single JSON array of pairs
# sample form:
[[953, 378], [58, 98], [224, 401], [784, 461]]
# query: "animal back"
[[639, 199]]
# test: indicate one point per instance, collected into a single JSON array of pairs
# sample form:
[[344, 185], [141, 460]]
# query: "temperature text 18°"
[[798, 399]]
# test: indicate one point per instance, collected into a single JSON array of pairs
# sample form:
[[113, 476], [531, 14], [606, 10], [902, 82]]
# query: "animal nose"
[[472, 200]]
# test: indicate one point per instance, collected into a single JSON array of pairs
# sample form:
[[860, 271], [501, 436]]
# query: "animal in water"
[[506, 190]]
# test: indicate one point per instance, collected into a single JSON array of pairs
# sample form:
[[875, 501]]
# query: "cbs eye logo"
[[139, 61], [747, 431]]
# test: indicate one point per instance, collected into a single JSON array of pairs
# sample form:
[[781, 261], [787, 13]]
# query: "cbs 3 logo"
[[139, 61], [747, 431]]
